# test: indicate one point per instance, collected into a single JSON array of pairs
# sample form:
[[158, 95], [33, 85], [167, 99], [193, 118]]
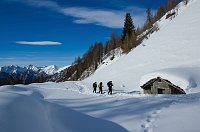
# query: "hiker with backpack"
[[100, 87], [110, 85], [94, 87]]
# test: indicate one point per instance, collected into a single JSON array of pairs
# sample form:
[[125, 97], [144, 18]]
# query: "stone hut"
[[161, 86]]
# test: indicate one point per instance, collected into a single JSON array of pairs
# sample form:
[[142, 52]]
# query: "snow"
[[30, 113], [72, 107], [62, 68], [186, 78], [117, 53], [50, 70], [33, 68], [13, 69], [183, 124]]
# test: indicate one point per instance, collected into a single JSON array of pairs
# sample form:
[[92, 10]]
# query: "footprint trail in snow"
[[148, 125]]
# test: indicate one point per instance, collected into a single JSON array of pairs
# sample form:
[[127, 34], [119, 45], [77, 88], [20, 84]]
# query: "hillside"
[[175, 45]]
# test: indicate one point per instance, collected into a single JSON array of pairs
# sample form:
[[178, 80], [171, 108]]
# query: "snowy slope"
[[175, 45]]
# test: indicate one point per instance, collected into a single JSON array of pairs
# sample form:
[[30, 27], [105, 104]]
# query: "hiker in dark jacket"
[[100, 87], [94, 87], [110, 84]]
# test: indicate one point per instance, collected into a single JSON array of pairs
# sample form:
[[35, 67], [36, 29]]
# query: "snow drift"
[[32, 114]]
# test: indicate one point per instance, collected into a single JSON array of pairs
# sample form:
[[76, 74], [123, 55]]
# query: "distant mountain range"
[[49, 70], [26, 75]]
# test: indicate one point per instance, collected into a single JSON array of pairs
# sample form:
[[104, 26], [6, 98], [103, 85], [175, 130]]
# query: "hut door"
[[160, 91]]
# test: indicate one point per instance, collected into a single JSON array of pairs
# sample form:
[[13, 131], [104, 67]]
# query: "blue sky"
[[45, 32]]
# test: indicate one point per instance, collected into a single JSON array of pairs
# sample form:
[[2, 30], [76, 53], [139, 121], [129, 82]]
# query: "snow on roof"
[[186, 78]]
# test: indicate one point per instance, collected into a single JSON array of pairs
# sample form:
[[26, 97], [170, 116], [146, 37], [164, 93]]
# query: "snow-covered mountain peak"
[[33, 68], [50, 70], [13, 69], [62, 68]]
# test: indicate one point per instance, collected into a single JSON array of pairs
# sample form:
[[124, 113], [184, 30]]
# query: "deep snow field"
[[171, 53]]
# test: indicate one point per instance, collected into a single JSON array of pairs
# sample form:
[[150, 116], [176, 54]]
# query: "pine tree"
[[129, 34], [129, 27]]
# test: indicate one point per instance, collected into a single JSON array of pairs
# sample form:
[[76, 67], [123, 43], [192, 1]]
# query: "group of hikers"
[[100, 86]]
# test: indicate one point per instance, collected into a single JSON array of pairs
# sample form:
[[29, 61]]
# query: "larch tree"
[[113, 43], [168, 6], [161, 12], [149, 18], [78, 67], [173, 8]]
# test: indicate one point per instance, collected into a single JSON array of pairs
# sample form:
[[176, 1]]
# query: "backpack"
[[94, 85], [108, 84]]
